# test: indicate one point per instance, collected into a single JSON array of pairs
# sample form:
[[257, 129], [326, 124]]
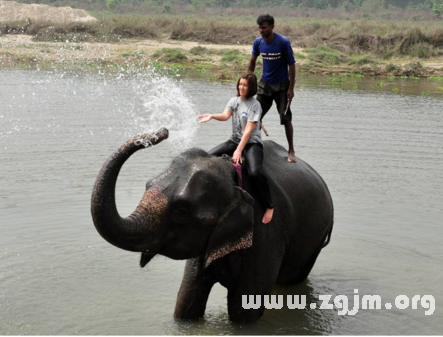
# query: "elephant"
[[196, 211]]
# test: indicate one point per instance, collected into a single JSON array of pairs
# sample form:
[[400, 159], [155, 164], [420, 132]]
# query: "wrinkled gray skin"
[[194, 211]]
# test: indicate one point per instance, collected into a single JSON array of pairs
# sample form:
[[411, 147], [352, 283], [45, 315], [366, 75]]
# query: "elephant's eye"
[[182, 215]]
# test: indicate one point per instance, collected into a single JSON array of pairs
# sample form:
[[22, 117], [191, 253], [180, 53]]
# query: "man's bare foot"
[[268, 215], [292, 158]]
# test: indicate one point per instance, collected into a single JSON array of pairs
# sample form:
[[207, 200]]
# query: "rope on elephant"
[[237, 169]]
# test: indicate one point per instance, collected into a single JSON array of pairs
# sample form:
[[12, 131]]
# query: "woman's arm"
[[250, 126], [224, 116]]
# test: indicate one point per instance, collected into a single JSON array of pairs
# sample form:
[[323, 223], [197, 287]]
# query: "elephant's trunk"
[[125, 233]]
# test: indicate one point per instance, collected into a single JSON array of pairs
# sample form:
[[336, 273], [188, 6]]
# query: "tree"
[[111, 3], [437, 9]]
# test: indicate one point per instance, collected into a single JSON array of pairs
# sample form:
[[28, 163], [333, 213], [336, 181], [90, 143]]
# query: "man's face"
[[265, 30]]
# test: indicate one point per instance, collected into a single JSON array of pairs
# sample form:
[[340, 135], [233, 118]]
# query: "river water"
[[380, 153]]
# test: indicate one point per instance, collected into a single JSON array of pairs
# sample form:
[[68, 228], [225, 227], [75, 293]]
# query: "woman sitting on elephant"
[[246, 137]]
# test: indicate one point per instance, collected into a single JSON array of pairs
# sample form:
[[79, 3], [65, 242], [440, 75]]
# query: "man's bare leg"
[[268, 215], [290, 137]]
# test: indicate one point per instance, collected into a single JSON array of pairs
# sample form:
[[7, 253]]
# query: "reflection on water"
[[379, 152]]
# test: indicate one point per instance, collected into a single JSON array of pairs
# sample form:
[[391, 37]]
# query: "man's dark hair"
[[252, 84], [265, 18]]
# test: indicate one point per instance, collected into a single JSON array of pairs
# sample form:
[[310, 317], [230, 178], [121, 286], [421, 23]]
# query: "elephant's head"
[[191, 209]]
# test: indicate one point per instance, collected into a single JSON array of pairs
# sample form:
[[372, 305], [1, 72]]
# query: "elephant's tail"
[[328, 238]]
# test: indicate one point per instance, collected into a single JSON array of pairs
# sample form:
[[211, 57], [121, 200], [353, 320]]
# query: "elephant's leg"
[[194, 291], [254, 282], [235, 308], [310, 264]]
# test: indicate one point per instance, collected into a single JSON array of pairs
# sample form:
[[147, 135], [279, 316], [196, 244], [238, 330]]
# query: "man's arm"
[[291, 81], [251, 67]]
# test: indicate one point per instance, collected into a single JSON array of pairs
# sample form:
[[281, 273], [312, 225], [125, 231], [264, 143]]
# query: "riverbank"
[[222, 61]]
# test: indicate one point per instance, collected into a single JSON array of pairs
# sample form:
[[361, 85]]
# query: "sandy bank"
[[11, 11]]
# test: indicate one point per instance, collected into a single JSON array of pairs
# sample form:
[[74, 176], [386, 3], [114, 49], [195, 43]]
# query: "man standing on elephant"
[[277, 83]]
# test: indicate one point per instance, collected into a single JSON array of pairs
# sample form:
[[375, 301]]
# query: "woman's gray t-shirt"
[[244, 111]]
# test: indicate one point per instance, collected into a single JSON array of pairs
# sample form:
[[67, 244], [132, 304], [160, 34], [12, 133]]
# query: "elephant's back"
[[278, 168], [298, 181], [301, 194]]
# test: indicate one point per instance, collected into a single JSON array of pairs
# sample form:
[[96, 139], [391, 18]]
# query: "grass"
[[362, 60], [170, 55], [232, 56], [299, 56], [390, 67], [325, 55], [353, 44], [383, 38]]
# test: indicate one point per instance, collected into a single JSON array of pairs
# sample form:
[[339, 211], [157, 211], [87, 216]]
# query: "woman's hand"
[[205, 118], [236, 157]]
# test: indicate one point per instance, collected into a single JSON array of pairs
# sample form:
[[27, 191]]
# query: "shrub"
[[390, 67], [198, 50], [173, 55], [437, 9], [387, 54], [421, 51], [111, 3], [323, 54], [299, 56], [167, 8], [231, 56], [363, 59]]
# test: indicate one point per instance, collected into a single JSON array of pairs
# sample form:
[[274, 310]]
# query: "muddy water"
[[379, 152]]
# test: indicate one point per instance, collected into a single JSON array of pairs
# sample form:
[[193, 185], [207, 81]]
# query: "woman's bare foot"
[[291, 157], [268, 215]]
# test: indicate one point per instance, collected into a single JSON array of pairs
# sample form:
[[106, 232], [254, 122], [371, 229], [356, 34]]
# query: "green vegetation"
[[172, 55], [199, 50], [362, 59], [390, 67], [377, 44], [232, 56], [299, 56], [323, 54], [326, 41]]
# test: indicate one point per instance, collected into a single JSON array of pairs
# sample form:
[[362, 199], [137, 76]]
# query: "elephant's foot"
[[189, 315]]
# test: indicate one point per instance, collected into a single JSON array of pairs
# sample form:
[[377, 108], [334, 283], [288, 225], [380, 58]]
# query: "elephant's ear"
[[234, 230]]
